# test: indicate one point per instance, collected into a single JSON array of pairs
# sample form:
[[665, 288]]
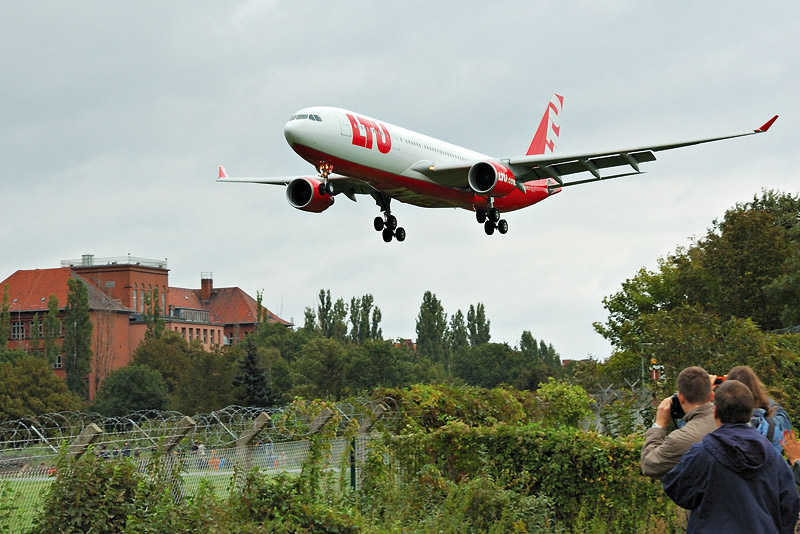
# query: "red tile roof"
[[227, 305], [29, 291]]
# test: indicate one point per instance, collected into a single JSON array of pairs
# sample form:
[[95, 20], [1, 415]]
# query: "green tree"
[[168, 354], [253, 380], [129, 389], [431, 328], [77, 337], [365, 319], [207, 383], [5, 320], [377, 363], [477, 325], [319, 371], [152, 317], [36, 335], [457, 332], [52, 331], [488, 365], [29, 387]]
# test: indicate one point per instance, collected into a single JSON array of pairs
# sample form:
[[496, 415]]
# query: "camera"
[[676, 410]]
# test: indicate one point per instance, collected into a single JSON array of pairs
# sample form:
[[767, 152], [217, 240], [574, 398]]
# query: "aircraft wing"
[[555, 165], [344, 184]]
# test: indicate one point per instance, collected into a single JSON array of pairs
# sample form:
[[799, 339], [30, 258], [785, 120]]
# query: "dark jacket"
[[735, 481]]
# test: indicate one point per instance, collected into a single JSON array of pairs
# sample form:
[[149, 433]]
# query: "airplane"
[[373, 157]]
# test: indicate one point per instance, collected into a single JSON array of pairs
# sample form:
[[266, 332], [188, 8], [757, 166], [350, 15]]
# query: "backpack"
[[771, 427]]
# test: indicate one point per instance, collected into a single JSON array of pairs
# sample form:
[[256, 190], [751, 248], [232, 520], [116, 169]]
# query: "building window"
[[17, 330], [163, 296], [59, 362], [212, 336], [135, 302], [205, 335], [183, 332]]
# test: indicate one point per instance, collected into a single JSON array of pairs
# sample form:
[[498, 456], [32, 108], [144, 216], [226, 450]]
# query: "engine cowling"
[[303, 194], [492, 179]]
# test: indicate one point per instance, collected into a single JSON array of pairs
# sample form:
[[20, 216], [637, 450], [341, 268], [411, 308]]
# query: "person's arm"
[[660, 453], [686, 483]]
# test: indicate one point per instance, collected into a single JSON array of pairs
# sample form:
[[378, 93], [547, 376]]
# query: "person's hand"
[[791, 447], [663, 413]]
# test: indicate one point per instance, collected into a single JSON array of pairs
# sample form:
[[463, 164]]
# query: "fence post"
[[86, 438], [363, 427], [246, 439], [321, 420], [185, 426]]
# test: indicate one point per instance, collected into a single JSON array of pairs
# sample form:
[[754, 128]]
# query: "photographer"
[[661, 452], [734, 480]]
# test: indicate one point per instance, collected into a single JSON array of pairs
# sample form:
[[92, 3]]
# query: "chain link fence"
[[215, 447]]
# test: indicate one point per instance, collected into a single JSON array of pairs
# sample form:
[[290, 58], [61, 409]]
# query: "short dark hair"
[[695, 385], [734, 402]]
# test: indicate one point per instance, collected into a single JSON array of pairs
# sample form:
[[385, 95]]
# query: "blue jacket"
[[735, 481]]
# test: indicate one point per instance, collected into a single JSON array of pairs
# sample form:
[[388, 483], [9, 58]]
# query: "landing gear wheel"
[[480, 215], [329, 188], [321, 189], [387, 235], [400, 234], [378, 223], [494, 215], [391, 222], [488, 227], [502, 226]]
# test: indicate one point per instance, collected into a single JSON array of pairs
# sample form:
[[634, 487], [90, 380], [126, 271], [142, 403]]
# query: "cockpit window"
[[305, 116]]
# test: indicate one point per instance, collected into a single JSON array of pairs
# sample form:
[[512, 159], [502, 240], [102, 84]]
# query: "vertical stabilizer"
[[547, 133]]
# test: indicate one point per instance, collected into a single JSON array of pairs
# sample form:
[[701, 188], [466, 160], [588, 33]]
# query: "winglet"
[[767, 124], [222, 173]]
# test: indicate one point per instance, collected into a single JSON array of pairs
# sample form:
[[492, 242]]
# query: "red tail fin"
[[548, 130]]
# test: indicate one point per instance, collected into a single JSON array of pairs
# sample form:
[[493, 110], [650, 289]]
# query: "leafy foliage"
[[77, 345], [28, 386], [129, 389]]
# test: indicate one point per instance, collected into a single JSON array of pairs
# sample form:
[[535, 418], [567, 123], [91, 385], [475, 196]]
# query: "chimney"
[[206, 286]]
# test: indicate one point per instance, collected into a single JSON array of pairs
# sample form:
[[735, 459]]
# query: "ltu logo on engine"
[[364, 130]]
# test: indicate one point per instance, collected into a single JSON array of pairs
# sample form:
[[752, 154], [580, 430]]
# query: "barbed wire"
[[42, 435]]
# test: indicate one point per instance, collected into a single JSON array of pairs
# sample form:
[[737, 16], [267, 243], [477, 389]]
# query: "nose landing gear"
[[326, 187]]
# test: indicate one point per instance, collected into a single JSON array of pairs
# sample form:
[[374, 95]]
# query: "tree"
[[488, 365], [36, 335], [5, 320], [458, 338], [364, 319], [431, 328], [156, 325], [51, 331], [169, 355], [207, 383], [253, 380], [319, 371], [77, 337], [129, 389], [477, 325], [29, 387]]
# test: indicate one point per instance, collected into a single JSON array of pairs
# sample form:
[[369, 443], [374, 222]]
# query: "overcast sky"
[[115, 116]]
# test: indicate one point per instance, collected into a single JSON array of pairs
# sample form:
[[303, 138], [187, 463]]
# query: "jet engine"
[[303, 194], [492, 179]]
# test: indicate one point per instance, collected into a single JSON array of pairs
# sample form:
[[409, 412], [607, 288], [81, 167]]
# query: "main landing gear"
[[491, 221], [387, 224], [326, 187]]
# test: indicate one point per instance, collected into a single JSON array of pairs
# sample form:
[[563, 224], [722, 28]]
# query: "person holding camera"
[[662, 452], [734, 480]]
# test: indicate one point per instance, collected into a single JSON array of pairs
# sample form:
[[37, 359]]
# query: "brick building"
[[118, 290]]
